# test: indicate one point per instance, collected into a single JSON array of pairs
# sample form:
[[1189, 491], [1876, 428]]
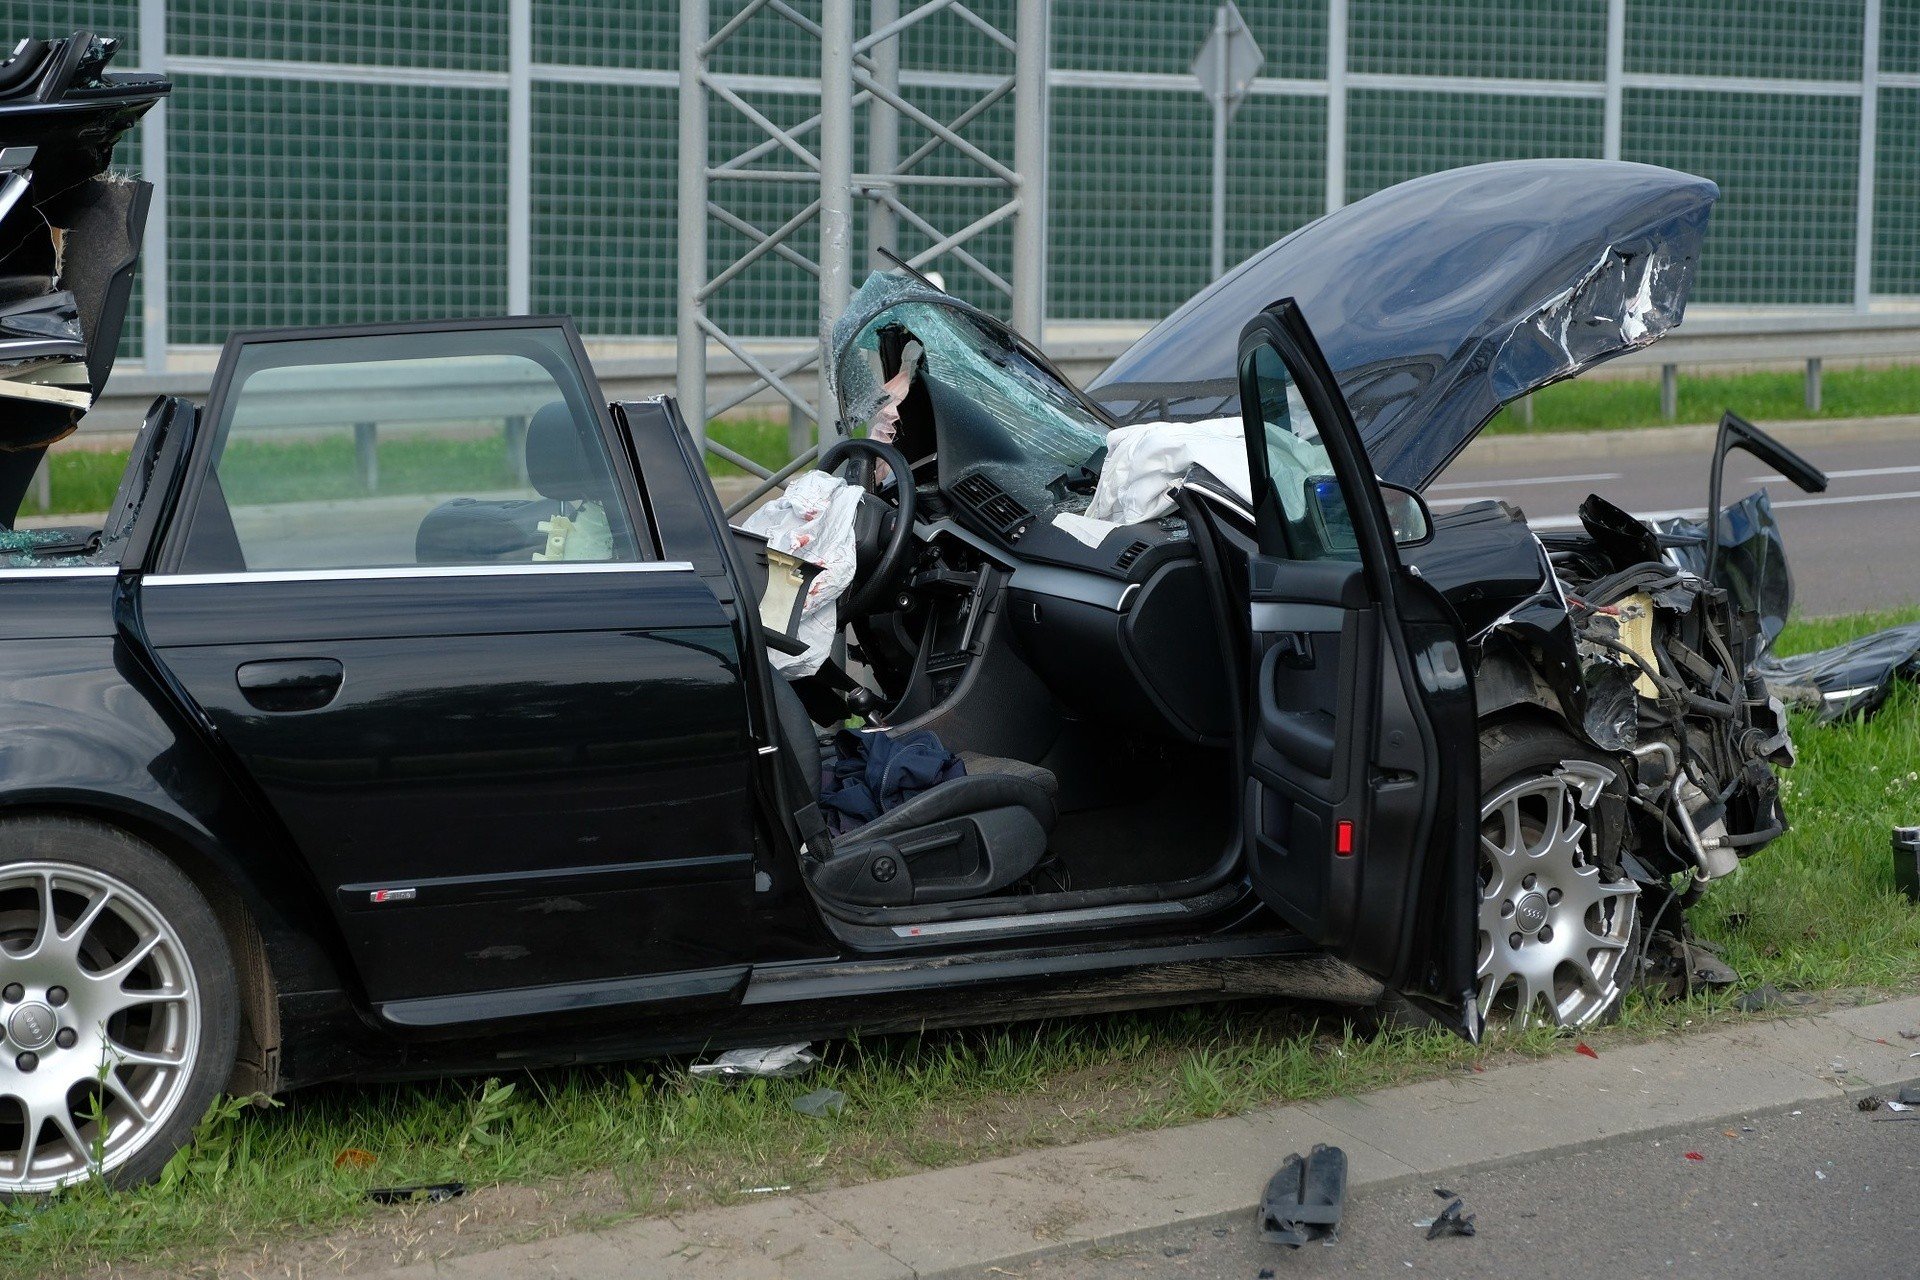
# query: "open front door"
[[1362, 768]]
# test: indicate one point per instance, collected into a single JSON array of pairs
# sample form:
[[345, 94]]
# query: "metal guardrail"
[[1082, 351], [1808, 338]]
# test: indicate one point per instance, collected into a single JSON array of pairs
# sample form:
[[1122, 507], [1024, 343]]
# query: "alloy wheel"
[[1554, 933], [99, 1023]]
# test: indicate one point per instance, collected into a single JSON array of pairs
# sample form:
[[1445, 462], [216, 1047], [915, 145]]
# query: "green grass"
[[1818, 908], [84, 480], [1815, 911], [1592, 404]]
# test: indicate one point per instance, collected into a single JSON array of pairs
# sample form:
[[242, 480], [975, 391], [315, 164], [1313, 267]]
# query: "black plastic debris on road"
[[1305, 1197], [1451, 1222], [425, 1193]]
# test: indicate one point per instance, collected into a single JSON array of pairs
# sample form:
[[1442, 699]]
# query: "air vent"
[[992, 504], [1133, 552]]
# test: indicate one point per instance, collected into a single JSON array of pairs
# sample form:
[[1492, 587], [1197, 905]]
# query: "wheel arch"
[[263, 966]]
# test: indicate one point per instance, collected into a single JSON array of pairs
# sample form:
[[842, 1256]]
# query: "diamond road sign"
[[1229, 60]]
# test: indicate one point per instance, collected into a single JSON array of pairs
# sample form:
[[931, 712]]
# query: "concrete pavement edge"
[[958, 1221]]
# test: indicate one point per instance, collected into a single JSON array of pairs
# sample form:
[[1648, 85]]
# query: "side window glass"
[[1305, 492], [459, 447]]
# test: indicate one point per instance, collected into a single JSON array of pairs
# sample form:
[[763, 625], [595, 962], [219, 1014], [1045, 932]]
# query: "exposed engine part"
[[1705, 735]]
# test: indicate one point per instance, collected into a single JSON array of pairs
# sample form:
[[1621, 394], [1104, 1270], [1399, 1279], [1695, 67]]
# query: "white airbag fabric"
[[1145, 459], [813, 520]]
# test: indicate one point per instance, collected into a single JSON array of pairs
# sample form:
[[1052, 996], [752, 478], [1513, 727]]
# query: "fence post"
[[1336, 158], [1612, 107], [1669, 392], [1031, 115], [836, 193], [153, 165], [519, 156], [690, 369], [1217, 240], [883, 137], [1813, 384], [366, 454], [1869, 144]]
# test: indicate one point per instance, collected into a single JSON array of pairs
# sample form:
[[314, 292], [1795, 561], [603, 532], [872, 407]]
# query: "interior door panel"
[[1353, 787]]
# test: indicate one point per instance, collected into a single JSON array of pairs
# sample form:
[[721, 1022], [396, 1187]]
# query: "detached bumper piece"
[[69, 234], [1305, 1198]]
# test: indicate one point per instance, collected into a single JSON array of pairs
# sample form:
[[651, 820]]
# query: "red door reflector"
[[1343, 838]]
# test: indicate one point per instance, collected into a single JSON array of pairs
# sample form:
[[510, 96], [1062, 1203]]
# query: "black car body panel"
[[1443, 298], [467, 801]]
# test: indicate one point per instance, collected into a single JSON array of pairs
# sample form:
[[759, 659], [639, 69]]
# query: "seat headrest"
[[557, 464]]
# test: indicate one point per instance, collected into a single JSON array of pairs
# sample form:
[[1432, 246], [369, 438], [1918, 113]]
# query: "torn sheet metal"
[[1752, 562], [1849, 679], [69, 237], [1439, 300]]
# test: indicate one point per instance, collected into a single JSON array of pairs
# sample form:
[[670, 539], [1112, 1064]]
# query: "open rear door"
[[1362, 770]]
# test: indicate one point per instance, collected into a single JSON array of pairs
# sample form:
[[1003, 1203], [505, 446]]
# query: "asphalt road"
[[1825, 1191], [1855, 547]]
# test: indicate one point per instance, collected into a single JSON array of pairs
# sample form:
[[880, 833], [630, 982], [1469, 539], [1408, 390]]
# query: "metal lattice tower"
[[931, 186]]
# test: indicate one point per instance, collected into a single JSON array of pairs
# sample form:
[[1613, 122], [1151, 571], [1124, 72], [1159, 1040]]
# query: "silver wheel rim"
[[1553, 933], [99, 1024]]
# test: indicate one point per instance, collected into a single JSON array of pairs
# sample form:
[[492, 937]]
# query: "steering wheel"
[[871, 523]]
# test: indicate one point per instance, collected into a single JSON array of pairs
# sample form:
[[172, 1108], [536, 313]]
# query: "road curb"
[[960, 1221]]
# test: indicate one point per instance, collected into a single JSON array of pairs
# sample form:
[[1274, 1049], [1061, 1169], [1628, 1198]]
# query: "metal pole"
[[836, 191], [1611, 108], [153, 165], [1869, 144], [690, 370], [883, 136], [1336, 162], [519, 156], [1217, 244], [1030, 163]]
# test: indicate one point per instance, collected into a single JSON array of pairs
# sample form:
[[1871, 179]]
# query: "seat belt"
[[816, 840]]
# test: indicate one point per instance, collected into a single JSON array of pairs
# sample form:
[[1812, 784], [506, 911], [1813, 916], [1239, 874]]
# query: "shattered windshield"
[[994, 407]]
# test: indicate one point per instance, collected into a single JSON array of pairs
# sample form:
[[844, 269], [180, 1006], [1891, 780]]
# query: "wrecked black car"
[[521, 761]]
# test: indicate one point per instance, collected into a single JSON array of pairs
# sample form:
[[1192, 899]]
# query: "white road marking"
[[1842, 475], [1551, 523], [1508, 484]]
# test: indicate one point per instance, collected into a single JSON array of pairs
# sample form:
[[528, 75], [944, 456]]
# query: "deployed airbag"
[[812, 520], [1144, 461]]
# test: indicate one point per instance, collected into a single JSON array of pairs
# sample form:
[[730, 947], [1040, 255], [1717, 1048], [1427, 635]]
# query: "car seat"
[[506, 531], [968, 837]]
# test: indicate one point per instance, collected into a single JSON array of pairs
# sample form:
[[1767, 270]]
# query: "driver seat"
[[966, 838]]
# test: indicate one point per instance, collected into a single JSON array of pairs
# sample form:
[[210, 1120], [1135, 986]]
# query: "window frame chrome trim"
[[416, 572], [61, 571]]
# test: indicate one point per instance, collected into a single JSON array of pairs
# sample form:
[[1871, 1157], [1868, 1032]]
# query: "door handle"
[[289, 684], [1295, 649]]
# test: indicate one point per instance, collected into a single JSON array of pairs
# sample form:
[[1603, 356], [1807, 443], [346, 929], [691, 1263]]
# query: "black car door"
[[406, 587], [1362, 766]]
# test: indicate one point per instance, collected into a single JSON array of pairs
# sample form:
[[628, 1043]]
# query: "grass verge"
[[1760, 396], [280, 1190]]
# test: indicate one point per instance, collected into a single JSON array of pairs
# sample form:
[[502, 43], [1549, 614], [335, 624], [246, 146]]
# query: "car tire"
[[118, 1028], [1558, 921]]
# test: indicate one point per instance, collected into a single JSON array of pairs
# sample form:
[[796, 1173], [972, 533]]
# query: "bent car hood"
[[1441, 299]]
